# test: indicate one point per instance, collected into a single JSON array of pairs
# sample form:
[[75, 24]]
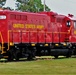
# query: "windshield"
[[68, 23], [74, 24]]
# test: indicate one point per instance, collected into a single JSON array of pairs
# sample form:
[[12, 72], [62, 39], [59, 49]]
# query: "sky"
[[62, 6], [10, 3]]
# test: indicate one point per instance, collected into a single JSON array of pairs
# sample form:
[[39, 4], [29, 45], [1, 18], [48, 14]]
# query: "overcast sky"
[[62, 6]]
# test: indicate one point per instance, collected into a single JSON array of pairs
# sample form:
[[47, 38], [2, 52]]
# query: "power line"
[[44, 6]]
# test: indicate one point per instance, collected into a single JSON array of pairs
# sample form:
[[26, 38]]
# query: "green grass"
[[65, 66]]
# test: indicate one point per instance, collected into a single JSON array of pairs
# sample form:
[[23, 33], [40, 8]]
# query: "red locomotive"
[[24, 34]]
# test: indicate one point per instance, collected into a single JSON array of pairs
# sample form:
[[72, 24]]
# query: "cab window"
[[68, 23], [75, 25]]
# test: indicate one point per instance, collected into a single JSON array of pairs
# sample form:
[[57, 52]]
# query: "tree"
[[32, 6], [29, 5], [2, 2]]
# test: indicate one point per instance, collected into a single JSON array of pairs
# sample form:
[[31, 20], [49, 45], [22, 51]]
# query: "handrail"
[[39, 32], [8, 39], [30, 31], [2, 48]]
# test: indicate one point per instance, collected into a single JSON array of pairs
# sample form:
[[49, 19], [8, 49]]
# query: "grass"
[[65, 66]]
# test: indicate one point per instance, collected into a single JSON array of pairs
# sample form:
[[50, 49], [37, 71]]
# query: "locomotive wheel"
[[31, 54], [10, 56], [56, 56], [17, 55], [68, 56], [30, 57]]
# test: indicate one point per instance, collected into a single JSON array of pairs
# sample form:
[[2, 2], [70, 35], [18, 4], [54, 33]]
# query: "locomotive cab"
[[72, 37], [62, 47]]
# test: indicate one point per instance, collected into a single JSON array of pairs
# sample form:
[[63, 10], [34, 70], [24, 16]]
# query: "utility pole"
[[44, 6]]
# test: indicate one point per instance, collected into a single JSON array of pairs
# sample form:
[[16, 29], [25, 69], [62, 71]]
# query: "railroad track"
[[35, 59]]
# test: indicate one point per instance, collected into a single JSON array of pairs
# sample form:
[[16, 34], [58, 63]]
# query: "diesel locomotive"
[[26, 34]]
